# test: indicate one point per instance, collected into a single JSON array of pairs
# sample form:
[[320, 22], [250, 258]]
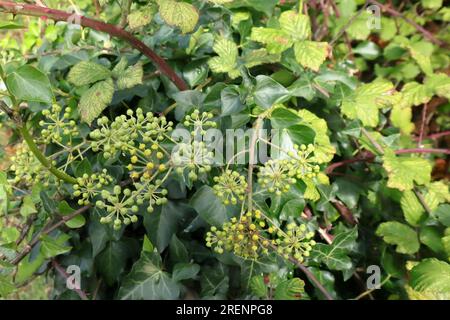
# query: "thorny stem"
[[115, 31]]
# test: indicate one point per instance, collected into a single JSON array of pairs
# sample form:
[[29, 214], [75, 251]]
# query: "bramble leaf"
[[180, 14], [401, 235], [404, 171], [95, 100], [87, 72]]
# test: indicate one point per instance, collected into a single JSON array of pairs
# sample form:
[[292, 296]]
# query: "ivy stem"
[[42, 158], [308, 273], [115, 31]]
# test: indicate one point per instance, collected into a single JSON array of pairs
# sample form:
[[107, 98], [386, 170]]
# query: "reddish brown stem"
[[58, 15], [370, 156], [422, 125], [435, 136], [427, 34], [64, 274]]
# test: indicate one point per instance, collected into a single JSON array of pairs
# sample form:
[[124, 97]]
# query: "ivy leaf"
[[226, 62], [51, 247], [208, 206], [87, 72], [74, 223], [9, 25], [292, 289], [95, 100], [142, 16], [29, 84], [404, 171], [185, 271], [180, 14], [335, 256], [311, 54], [401, 235], [28, 206], [148, 281], [131, 77], [364, 102], [269, 92], [431, 274], [112, 261]]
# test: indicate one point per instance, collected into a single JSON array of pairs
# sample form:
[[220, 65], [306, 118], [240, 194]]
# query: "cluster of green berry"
[[199, 121], [27, 168], [251, 235], [195, 158], [122, 134], [296, 241], [120, 206], [278, 175], [230, 187], [56, 126], [151, 192], [244, 236], [89, 186]]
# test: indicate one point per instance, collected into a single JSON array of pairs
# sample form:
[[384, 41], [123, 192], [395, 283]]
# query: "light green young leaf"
[[364, 102], [311, 54], [141, 17], [401, 117], [51, 247], [421, 52], [292, 289], [431, 274], [87, 72], [404, 171], [226, 62], [432, 4], [276, 40], [131, 77], [180, 14], [439, 83], [414, 94], [412, 209], [296, 26], [401, 235], [257, 57], [96, 99]]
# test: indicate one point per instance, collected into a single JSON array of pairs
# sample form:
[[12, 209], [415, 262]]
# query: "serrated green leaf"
[[412, 209], [131, 77], [401, 235], [226, 62], [311, 54], [404, 171], [292, 289], [258, 286], [141, 17], [431, 275], [401, 117], [87, 72], [297, 26], [180, 14], [414, 94], [432, 4], [258, 57], [440, 84], [276, 40], [364, 102], [95, 100], [148, 281], [29, 84]]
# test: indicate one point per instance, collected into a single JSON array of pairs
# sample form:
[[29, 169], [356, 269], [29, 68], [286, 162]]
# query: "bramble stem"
[[115, 31]]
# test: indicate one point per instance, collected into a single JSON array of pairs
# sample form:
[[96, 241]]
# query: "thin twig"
[[64, 274], [46, 230], [427, 34], [422, 125]]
